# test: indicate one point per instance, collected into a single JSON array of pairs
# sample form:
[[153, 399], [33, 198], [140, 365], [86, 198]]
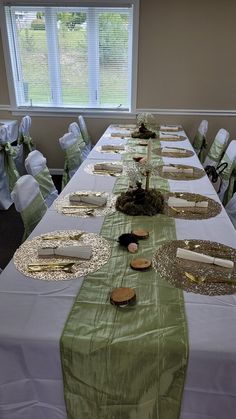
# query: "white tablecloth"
[[33, 314]]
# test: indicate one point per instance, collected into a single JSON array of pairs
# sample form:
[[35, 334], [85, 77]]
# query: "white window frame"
[[93, 97]]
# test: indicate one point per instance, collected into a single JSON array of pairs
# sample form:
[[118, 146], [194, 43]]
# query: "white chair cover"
[[231, 209], [25, 125], [226, 190], [25, 144], [75, 130], [217, 148], [36, 166], [29, 202], [8, 171], [85, 134], [73, 157], [199, 141]]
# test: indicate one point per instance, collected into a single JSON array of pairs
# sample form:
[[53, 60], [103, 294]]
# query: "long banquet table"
[[33, 314]]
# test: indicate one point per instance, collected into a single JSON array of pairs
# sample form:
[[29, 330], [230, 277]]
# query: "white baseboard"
[[56, 171]]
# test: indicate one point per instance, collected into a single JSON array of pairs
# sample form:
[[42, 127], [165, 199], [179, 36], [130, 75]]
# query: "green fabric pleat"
[[73, 160], [45, 182], [216, 151], [32, 215], [197, 141], [199, 145], [131, 363], [9, 165], [227, 175], [28, 144]]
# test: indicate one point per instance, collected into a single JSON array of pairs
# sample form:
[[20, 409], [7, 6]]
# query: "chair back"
[[217, 148], [29, 202], [85, 134], [36, 166], [73, 157], [199, 141], [8, 171], [229, 157], [75, 130], [25, 144]]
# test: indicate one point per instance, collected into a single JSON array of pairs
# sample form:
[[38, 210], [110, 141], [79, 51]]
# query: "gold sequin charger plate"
[[90, 169], [197, 173], [27, 253], [159, 152], [200, 278], [64, 206], [213, 209]]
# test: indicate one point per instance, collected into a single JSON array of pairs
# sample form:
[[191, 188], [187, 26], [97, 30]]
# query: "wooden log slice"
[[123, 296], [140, 264], [140, 233]]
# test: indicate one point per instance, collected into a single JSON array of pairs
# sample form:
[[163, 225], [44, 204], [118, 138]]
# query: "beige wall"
[[186, 60]]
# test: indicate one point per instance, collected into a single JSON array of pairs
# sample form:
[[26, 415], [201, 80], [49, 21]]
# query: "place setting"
[[171, 136], [179, 172], [173, 152], [105, 169], [190, 206], [86, 203], [114, 149], [62, 255], [198, 266]]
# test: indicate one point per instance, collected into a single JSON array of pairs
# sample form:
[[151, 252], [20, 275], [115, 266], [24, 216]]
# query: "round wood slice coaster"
[[140, 264], [140, 233], [123, 296]]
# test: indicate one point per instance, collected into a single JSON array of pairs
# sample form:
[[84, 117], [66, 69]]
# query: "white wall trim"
[[109, 114], [211, 112]]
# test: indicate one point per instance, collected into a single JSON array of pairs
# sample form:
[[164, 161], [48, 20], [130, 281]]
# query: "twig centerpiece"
[[137, 200]]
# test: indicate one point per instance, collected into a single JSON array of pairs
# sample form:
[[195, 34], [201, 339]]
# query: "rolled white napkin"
[[120, 134], [168, 136], [108, 167], [174, 169], [180, 202], [108, 147], [173, 150], [81, 252], [200, 257], [169, 128], [93, 198]]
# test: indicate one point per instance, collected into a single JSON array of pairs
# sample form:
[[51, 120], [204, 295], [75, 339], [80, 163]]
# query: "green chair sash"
[[73, 160], [45, 182], [216, 151], [10, 168], [32, 215]]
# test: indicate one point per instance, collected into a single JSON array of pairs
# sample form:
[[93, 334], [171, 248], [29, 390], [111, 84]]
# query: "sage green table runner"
[[126, 363]]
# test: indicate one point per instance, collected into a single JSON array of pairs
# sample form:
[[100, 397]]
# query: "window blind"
[[78, 57]]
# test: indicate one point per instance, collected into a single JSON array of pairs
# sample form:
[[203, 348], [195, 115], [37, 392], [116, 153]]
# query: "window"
[[71, 57]]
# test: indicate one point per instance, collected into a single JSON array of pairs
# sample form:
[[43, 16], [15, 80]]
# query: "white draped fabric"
[[34, 312]]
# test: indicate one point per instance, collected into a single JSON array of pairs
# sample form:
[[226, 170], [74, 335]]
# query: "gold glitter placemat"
[[90, 169], [213, 209], [63, 206], [197, 173], [159, 152], [200, 278], [27, 253]]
